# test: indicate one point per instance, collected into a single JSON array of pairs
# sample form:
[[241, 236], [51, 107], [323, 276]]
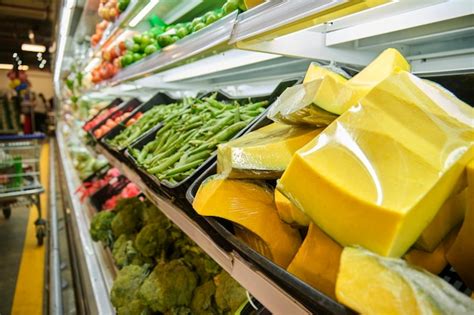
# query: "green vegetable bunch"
[[125, 253], [128, 219], [191, 135], [150, 119], [101, 227], [169, 285], [124, 293]]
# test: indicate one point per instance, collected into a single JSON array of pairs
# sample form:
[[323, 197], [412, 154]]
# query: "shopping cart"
[[20, 176]]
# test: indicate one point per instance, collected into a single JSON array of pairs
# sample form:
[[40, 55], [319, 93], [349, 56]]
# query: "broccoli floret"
[[169, 285], [124, 253], [124, 293], [180, 310], [127, 220], [196, 258], [152, 240], [151, 214], [203, 299], [229, 294], [101, 227]]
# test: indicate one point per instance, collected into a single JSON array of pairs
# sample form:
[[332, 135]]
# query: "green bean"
[[182, 168], [165, 163], [230, 131]]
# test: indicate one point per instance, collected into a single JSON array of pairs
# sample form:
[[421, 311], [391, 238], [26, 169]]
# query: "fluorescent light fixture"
[[15, 55], [33, 48], [65, 21], [141, 15], [6, 66], [23, 67]]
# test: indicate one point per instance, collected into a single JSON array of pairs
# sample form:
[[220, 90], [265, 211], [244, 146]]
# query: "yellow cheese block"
[[317, 261], [371, 284], [449, 215], [336, 96], [435, 261], [263, 153], [250, 205], [288, 212], [316, 72], [461, 254], [377, 175]]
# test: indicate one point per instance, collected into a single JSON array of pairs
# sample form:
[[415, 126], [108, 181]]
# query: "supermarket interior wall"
[[41, 82]]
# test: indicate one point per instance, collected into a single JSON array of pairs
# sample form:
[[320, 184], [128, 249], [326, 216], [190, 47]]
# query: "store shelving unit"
[[248, 54]]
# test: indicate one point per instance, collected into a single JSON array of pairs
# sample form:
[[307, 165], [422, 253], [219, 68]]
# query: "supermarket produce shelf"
[[261, 287], [97, 271], [206, 42]]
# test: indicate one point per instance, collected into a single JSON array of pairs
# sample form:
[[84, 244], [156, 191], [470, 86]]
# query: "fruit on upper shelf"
[[406, 138], [371, 284]]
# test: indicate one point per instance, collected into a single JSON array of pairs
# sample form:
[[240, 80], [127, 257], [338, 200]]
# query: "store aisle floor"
[[23, 260]]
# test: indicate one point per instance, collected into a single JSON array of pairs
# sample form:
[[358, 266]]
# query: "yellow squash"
[[449, 215], [377, 175], [317, 261], [288, 212], [250, 205], [316, 72], [336, 95], [263, 153], [434, 261], [461, 254], [374, 285]]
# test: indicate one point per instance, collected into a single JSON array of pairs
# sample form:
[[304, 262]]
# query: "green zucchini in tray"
[[189, 136]]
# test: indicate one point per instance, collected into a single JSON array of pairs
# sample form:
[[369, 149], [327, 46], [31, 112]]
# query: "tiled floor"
[[12, 237]]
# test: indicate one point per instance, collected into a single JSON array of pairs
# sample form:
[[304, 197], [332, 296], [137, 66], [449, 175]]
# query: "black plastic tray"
[[178, 191], [100, 197], [158, 99], [128, 106], [114, 103], [311, 298]]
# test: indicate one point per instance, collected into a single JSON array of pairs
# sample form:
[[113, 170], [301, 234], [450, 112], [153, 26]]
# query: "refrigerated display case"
[[243, 54]]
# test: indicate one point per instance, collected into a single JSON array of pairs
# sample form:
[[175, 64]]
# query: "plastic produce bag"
[[377, 176], [263, 153], [326, 94]]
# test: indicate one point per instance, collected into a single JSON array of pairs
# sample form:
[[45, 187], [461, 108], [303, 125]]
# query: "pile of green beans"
[[150, 119], [190, 136]]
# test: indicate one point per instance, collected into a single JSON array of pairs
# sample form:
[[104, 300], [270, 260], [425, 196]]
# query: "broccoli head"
[[203, 299], [127, 220], [124, 253], [101, 227], [152, 240], [229, 294], [196, 258], [180, 310], [169, 285], [124, 293], [151, 214]]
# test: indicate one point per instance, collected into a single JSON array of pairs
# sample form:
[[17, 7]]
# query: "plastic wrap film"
[[377, 176], [326, 94], [295, 106], [249, 204], [372, 285], [317, 261], [264, 153]]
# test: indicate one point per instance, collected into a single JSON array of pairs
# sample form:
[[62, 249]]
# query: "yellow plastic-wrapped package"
[[377, 176], [263, 153], [251, 205], [373, 285], [326, 94]]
